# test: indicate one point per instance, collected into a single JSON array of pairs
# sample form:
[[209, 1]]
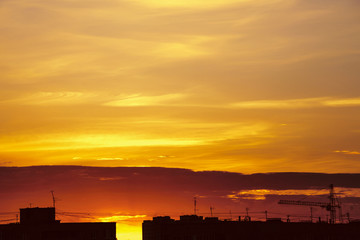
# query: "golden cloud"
[[137, 100], [260, 194], [298, 103]]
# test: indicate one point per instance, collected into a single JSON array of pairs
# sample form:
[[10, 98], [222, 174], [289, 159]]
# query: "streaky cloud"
[[298, 103]]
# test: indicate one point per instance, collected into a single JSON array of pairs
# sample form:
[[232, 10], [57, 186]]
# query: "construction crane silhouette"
[[331, 206]]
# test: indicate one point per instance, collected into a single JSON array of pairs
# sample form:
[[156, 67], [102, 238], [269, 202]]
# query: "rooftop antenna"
[[53, 198], [194, 205], [266, 215], [211, 211], [247, 217]]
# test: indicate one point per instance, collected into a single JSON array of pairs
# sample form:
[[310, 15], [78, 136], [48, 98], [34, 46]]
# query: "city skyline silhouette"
[[130, 195]]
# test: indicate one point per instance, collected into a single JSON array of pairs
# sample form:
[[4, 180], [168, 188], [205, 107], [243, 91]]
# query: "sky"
[[235, 86]]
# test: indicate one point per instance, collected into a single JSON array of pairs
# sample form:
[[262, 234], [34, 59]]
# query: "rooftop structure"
[[37, 215], [40, 224], [192, 227]]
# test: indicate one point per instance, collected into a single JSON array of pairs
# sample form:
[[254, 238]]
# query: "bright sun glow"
[[126, 230]]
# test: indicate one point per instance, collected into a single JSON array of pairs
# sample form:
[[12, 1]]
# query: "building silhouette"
[[40, 224], [193, 227]]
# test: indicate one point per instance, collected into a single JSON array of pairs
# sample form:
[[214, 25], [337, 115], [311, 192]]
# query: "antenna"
[[266, 215], [53, 198], [211, 211], [194, 205], [247, 217]]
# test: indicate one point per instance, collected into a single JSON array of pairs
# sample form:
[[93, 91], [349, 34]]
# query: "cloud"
[[95, 141], [137, 100], [273, 183], [118, 218], [342, 102], [164, 73], [288, 103], [201, 4], [298, 103], [52, 99], [262, 194], [110, 159], [347, 152], [111, 178], [172, 99]]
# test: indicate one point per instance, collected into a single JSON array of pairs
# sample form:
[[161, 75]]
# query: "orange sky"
[[130, 195], [244, 86], [238, 85]]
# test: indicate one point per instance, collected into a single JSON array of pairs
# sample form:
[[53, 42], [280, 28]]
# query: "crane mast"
[[331, 206], [303, 203]]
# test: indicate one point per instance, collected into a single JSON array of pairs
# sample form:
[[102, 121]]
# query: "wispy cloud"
[[347, 152], [298, 103], [111, 178], [342, 102], [110, 159], [173, 99], [137, 100], [80, 76], [118, 218], [84, 141], [52, 98], [286, 103], [189, 4], [261, 194]]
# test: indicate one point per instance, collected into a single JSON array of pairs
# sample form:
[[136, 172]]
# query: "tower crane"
[[331, 206]]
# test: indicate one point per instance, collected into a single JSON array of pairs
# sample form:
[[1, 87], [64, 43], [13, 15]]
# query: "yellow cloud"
[[298, 103], [178, 50], [185, 47], [260, 194], [189, 3], [110, 159], [118, 218], [139, 100], [84, 141], [342, 102], [52, 98], [348, 152], [286, 103]]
